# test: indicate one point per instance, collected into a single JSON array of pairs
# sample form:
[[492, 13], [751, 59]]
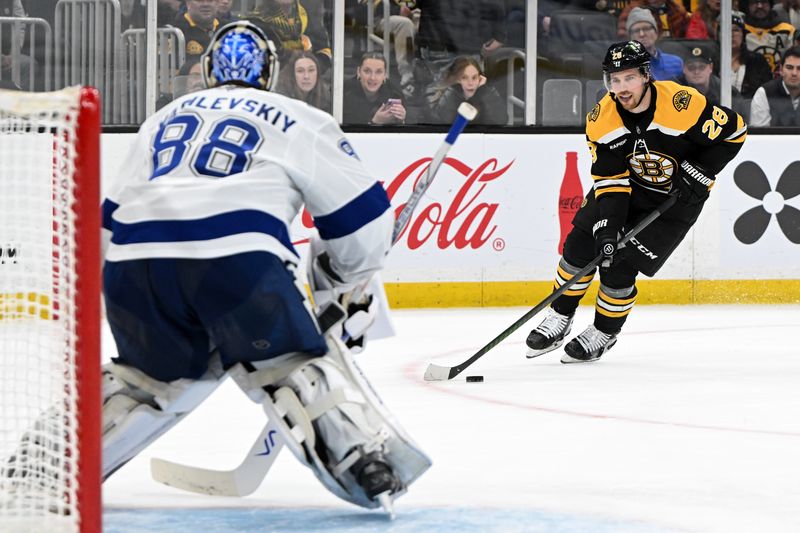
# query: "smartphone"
[[392, 101]]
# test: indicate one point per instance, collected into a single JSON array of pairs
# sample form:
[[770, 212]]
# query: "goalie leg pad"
[[333, 421], [138, 409]]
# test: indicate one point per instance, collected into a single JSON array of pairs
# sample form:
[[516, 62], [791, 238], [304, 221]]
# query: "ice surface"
[[690, 423]]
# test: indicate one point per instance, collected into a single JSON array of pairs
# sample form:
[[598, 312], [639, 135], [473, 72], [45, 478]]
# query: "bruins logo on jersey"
[[652, 168], [194, 48], [594, 113], [681, 100]]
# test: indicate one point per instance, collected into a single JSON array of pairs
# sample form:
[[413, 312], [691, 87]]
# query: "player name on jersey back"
[[268, 113]]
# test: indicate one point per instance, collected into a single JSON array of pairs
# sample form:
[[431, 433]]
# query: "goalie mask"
[[623, 56], [241, 54]]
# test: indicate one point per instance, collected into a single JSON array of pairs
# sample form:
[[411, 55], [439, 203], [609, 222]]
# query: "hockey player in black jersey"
[[648, 139]]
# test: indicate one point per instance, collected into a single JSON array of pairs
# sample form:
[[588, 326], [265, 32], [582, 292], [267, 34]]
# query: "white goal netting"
[[40, 312]]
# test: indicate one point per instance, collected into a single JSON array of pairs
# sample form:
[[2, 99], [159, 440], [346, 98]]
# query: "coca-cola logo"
[[570, 203], [462, 221]]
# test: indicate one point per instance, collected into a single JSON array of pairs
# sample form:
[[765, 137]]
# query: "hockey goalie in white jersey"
[[200, 278]]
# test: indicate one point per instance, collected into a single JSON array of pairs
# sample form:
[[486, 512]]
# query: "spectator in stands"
[[191, 73], [401, 31], [293, 26], [698, 72], [704, 22], [9, 59], [464, 82], [168, 11], [642, 27], [516, 15], [766, 33], [777, 102], [671, 17], [369, 98], [132, 14], [224, 14], [301, 79], [188, 80], [450, 28], [749, 70], [788, 11], [198, 24]]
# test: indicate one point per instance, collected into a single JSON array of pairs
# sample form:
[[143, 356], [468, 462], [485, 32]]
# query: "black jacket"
[[460, 26], [780, 105], [358, 109], [491, 107], [756, 72]]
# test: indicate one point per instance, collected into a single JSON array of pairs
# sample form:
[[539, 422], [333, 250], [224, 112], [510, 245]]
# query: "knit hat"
[[639, 14]]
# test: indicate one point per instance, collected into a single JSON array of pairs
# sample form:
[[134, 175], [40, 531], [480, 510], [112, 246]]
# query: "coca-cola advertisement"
[[461, 221], [569, 198], [501, 204]]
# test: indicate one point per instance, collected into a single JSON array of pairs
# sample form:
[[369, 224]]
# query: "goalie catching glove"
[[360, 306], [692, 183]]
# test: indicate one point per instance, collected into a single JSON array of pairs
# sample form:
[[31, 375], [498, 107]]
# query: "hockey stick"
[[246, 478], [466, 113], [443, 373], [241, 481]]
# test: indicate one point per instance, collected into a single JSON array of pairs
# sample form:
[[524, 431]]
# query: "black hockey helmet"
[[624, 56]]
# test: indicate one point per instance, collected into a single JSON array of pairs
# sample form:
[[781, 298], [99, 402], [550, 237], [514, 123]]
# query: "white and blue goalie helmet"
[[241, 54]]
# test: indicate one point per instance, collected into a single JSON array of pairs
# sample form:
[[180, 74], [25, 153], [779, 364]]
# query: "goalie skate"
[[333, 421]]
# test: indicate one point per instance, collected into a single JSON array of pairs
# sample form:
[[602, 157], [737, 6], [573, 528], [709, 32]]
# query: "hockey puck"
[[474, 379]]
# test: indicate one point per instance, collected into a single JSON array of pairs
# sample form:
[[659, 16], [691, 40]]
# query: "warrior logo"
[[681, 100]]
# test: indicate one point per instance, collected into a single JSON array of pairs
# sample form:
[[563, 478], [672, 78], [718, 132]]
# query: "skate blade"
[[568, 359], [386, 502], [531, 353]]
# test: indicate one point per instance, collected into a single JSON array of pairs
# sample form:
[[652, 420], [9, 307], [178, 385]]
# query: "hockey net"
[[50, 413]]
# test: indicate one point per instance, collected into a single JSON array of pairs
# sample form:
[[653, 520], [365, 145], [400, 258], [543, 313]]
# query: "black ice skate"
[[377, 479], [588, 346], [550, 334]]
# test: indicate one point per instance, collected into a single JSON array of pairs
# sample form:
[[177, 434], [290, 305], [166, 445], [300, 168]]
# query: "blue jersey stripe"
[[202, 229], [356, 214], [108, 210]]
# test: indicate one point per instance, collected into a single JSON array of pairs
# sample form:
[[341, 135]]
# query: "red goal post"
[[50, 388]]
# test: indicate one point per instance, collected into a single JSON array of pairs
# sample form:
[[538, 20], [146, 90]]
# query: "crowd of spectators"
[[444, 52]]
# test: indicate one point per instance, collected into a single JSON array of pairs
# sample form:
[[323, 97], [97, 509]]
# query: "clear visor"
[[626, 80]]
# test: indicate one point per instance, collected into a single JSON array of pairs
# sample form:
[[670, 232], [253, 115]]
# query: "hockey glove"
[[692, 183], [605, 241], [360, 307], [360, 316]]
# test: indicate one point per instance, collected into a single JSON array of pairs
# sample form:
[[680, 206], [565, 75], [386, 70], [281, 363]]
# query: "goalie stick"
[[246, 478], [443, 373], [237, 482], [466, 113]]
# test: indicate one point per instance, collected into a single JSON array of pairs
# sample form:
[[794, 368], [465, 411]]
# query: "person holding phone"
[[370, 98]]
